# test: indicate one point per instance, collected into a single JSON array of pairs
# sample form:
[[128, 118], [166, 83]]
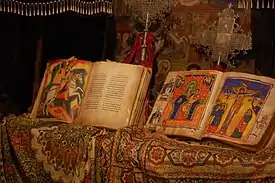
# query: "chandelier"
[[155, 8]]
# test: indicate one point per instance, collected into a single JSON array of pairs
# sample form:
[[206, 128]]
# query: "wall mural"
[[187, 17], [120, 9]]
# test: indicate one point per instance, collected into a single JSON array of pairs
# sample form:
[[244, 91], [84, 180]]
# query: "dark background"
[[86, 37], [64, 35]]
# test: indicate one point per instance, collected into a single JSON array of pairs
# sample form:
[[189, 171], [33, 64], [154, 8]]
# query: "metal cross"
[[223, 37]]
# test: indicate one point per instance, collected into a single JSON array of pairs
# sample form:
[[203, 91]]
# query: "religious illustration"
[[238, 132], [124, 43], [216, 115], [162, 72], [188, 101], [176, 43], [237, 107], [156, 113], [261, 124], [62, 93], [167, 89]]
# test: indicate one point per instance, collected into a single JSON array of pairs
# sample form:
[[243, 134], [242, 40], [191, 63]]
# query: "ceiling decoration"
[[50, 7]]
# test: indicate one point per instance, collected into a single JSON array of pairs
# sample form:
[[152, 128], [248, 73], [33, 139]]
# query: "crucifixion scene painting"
[[237, 107]]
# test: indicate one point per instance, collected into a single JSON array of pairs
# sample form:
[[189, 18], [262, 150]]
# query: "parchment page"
[[62, 89], [182, 106], [111, 94], [139, 117], [243, 109]]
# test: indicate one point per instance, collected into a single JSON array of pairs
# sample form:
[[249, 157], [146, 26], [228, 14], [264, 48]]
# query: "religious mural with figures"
[[173, 48], [237, 107], [173, 43]]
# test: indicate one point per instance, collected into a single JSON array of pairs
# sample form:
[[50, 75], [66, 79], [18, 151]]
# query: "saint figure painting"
[[63, 89], [186, 105]]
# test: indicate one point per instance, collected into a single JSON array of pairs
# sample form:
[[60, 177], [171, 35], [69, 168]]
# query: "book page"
[[139, 117], [62, 89], [184, 101], [243, 109], [111, 94]]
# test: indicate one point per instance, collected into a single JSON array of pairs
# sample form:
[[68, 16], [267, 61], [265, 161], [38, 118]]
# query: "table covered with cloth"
[[46, 152]]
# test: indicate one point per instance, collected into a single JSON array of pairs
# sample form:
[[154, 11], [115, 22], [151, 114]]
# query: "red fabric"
[[134, 57], [218, 68]]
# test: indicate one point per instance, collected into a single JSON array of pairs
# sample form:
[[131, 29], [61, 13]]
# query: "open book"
[[105, 94], [233, 107]]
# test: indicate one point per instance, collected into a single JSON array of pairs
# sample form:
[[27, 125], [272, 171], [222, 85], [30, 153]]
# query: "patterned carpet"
[[33, 151]]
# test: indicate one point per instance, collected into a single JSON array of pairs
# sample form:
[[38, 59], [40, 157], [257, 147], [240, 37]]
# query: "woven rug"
[[33, 151]]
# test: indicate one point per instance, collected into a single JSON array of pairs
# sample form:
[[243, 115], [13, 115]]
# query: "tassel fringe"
[[256, 4], [56, 6]]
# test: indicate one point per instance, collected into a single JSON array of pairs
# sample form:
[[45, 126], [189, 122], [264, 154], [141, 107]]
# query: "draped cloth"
[[33, 151], [50, 7]]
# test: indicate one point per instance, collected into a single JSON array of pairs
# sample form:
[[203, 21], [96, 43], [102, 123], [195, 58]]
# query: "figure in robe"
[[182, 99], [260, 125], [256, 105], [167, 89], [217, 114], [63, 76], [238, 132], [60, 72], [179, 81], [240, 94], [177, 106], [208, 81], [192, 104], [134, 57], [67, 74], [68, 100], [56, 75], [155, 116], [58, 79]]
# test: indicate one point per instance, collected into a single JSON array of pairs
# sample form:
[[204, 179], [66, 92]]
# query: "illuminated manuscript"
[[233, 107], [63, 88], [105, 94]]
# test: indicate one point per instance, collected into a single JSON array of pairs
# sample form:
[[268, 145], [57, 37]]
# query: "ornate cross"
[[223, 38]]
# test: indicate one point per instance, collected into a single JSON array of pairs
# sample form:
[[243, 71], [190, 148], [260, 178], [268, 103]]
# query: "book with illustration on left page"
[[103, 94]]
